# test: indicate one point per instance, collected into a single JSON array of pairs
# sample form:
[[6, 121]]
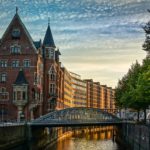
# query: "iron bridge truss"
[[76, 116]]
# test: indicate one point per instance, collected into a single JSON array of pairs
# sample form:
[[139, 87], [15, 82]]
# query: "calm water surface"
[[99, 140], [84, 144], [79, 139]]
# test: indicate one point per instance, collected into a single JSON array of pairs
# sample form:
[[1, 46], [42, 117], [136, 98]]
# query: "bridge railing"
[[76, 115]]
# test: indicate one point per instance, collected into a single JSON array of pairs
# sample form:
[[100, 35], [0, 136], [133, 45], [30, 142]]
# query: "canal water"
[[84, 144], [93, 139], [89, 138]]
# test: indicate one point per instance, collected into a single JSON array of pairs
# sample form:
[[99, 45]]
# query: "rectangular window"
[[24, 95], [19, 97], [52, 88], [4, 95], [15, 49], [2, 89], [51, 54], [26, 63], [3, 63], [15, 63], [3, 77]]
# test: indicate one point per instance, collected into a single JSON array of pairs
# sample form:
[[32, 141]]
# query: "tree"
[[133, 90], [143, 86], [146, 45]]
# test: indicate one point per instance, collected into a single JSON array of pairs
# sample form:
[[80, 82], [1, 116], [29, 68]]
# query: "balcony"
[[20, 102]]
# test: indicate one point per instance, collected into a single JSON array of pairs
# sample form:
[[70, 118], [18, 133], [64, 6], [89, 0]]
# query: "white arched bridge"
[[77, 116]]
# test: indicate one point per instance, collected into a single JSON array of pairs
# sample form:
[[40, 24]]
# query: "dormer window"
[[16, 33], [15, 49]]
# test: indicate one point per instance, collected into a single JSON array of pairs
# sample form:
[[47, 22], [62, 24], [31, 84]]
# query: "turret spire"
[[16, 9], [48, 20], [48, 39]]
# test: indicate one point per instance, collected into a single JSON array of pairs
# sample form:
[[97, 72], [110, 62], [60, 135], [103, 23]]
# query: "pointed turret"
[[48, 39]]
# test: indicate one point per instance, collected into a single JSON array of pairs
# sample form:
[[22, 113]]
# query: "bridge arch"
[[76, 115]]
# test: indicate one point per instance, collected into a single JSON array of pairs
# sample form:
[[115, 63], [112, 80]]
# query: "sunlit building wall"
[[93, 94], [78, 90], [67, 89], [103, 96]]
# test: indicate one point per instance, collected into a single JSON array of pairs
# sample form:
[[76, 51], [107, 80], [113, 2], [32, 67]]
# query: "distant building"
[[93, 94], [67, 89], [78, 90], [103, 97], [99, 96]]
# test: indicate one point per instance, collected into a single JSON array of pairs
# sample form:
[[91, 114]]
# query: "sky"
[[98, 39]]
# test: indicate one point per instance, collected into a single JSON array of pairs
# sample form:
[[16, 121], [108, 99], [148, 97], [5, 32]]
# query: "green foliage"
[[146, 45], [133, 90]]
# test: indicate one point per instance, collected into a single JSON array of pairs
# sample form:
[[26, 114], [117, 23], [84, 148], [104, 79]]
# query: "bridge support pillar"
[[28, 132]]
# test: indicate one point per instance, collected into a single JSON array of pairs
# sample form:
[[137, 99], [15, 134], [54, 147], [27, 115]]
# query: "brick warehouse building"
[[32, 81], [25, 65]]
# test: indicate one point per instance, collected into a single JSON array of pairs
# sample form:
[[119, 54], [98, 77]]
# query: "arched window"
[[52, 74]]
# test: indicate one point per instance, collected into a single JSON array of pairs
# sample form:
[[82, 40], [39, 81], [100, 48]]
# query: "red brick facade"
[[19, 52]]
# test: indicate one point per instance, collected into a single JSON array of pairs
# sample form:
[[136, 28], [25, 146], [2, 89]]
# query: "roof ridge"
[[24, 28]]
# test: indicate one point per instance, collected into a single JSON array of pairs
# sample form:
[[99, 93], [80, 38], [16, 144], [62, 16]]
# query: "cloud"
[[91, 34]]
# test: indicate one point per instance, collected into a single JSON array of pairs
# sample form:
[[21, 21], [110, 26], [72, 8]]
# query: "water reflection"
[[87, 139], [77, 138], [83, 144]]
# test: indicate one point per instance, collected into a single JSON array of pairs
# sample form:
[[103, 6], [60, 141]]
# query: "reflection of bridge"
[[76, 117]]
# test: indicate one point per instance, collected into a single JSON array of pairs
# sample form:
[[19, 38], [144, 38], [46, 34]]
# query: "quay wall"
[[12, 135], [134, 136]]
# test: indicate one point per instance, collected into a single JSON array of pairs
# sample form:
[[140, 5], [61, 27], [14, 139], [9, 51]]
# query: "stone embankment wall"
[[12, 135], [135, 137]]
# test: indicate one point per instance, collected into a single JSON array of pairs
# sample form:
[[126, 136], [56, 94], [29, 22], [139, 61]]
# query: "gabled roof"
[[17, 18], [20, 78], [48, 39]]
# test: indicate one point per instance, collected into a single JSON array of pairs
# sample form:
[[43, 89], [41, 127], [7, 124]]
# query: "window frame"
[[52, 88], [3, 63], [29, 62], [15, 49], [15, 60], [2, 77]]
